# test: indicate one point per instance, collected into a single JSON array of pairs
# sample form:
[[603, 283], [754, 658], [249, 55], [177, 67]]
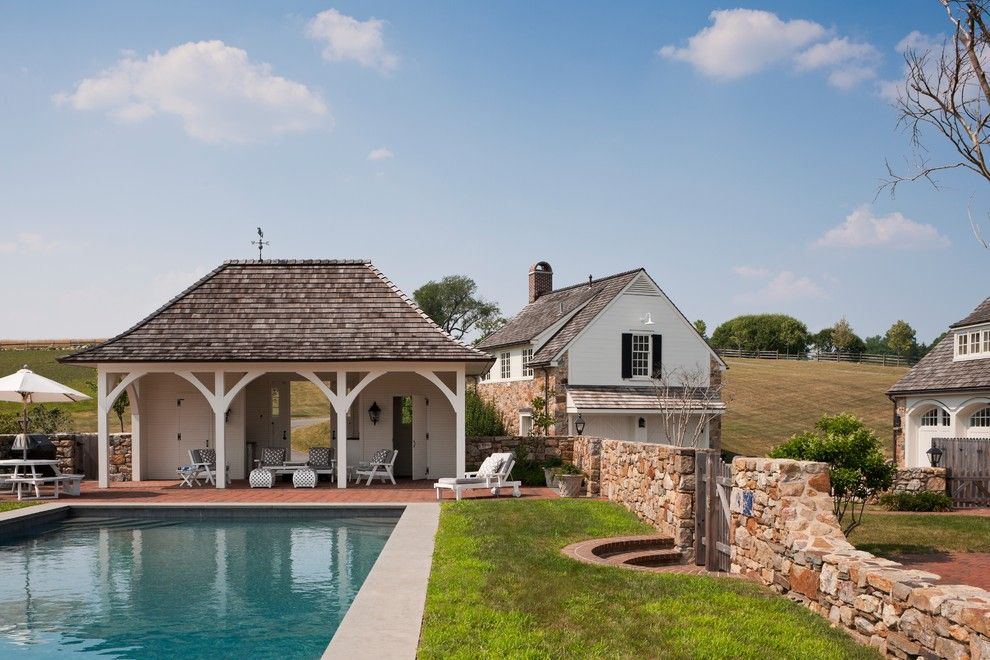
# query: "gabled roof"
[[271, 311], [938, 372], [548, 309], [979, 315]]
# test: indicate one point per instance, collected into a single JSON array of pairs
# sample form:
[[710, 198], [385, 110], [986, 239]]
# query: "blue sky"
[[142, 143]]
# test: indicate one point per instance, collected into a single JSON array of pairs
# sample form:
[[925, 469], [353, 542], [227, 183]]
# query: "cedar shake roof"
[[623, 397], [937, 372], [979, 315], [551, 307], [279, 310]]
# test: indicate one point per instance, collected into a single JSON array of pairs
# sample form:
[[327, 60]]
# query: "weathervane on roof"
[[261, 243]]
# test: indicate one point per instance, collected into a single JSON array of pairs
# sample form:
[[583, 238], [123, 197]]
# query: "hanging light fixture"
[[374, 412], [579, 425]]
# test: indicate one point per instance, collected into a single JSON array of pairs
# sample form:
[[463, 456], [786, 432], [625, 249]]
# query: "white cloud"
[[862, 228], [741, 42], [346, 38], [751, 271], [920, 43], [28, 243], [216, 91], [381, 153], [783, 287]]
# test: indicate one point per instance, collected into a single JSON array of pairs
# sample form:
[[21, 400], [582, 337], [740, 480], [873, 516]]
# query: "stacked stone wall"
[[513, 397], [70, 448], [588, 458], [914, 480], [784, 534], [539, 448], [656, 482]]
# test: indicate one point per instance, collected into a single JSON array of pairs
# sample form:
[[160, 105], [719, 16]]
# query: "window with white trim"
[[527, 356], [935, 417], [640, 355], [525, 423], [504, 365], [981, 418], [986, 341], [973, 343], [962, 344], [486, 375]]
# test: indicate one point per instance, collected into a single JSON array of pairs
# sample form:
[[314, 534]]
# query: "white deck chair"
[[379, 467], [495, 474], [196, 470]]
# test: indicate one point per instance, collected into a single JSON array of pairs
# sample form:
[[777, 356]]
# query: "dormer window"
[[971, 344]]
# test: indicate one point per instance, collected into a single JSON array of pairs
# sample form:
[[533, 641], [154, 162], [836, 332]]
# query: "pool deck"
[[169, 492]]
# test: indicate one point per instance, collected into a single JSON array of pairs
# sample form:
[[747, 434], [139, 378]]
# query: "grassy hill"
[[770, 400]]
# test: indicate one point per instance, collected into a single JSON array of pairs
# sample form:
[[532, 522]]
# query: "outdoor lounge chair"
[[379, 467], [321, 460], [196, 470], [271, 457], [493, 474]]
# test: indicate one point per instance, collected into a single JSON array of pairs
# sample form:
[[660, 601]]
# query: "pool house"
[[214, 367]]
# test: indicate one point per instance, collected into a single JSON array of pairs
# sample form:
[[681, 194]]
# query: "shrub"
[[481, 417], [858, 468], [919, 501], [41, 419], [530, 471]]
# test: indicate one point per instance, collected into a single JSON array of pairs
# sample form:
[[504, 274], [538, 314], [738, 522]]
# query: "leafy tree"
[[481, 417], [762, 332], [41, 419], [921, 350], [844, 339], [488, 325], [877, 345], [119, 405], [822, 341], [454, 304], [701, 327], [901, 338], [858, 468]]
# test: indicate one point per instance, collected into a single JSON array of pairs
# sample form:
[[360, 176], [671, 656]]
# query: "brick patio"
[[169, 492]]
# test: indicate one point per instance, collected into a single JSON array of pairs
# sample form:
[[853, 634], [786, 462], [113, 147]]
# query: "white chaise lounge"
[[495, 474], [379, 467]]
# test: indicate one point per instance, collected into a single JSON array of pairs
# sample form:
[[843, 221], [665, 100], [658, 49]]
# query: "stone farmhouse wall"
[[913, 480], [783, 533], [514, 397], [69, 450]]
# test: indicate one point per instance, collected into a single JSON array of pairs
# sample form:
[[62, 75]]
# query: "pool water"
[[155, 588]]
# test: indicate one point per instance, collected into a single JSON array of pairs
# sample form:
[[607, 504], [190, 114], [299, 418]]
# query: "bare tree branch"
[[688, 402]]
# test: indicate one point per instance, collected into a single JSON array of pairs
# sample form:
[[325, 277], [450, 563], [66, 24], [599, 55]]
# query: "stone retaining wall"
[[540, 448], [784, 534], [913, 480], [656, 482], [69, 450], [588, 458]]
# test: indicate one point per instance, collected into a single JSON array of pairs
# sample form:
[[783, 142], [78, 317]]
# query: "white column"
[[134, 396], [102, 433], [219, 427], [460, 440], [340, 407]]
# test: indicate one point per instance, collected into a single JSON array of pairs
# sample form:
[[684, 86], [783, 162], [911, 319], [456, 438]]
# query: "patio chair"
[[495, 474], [196, 470], [379, 467], [321, 460], [209, 458], [271, 457]]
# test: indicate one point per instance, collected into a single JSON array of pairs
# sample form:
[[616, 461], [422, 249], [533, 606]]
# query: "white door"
[[421, 438]]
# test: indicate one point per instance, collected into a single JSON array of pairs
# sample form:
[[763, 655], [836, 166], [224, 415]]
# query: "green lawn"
[[10, 506], [889, 534], [500, 588], [771, 400]]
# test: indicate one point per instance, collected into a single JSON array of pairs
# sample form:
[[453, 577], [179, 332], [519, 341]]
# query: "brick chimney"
[[540, 280]]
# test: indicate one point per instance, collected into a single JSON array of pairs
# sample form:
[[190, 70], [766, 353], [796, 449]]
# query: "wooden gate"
[[967, 463], [713, 488]]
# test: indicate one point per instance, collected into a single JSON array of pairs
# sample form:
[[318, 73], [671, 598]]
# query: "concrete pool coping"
[[385, 617]]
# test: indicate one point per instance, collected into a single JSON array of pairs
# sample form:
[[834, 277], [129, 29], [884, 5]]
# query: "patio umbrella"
[[28, 387]]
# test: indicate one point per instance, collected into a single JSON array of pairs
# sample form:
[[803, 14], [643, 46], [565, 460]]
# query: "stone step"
[[609, 549], [648, 557]]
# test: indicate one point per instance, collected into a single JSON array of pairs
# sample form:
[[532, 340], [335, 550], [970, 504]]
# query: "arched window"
[[980, 418], [935, 417]]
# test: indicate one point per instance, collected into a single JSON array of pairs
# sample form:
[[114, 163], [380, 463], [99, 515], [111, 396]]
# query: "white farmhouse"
[[947, 394], [592, 351]]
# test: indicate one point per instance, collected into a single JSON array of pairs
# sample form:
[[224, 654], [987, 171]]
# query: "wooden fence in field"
[[866, 358], [22, 344]]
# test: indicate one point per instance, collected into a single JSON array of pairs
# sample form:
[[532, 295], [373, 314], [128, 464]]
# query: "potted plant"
[[569, 479], [550, 471]]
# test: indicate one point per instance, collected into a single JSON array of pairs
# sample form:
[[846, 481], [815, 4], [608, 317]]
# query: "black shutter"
[[656, 369], [627, 355]]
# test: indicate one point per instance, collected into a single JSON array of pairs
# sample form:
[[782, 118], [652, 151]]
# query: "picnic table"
[[26, 474]]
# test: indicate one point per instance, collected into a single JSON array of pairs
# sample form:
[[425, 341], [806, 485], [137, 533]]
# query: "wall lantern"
[[374, 412], [579, 425], [934, 454], [226, 416], [642, 422]]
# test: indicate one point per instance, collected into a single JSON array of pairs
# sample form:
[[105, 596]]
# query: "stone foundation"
[[913, 480], [783, 533]]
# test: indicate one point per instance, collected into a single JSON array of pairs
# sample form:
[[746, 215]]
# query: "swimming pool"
[[185, 583]]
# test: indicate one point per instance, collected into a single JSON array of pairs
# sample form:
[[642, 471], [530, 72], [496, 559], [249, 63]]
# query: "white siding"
[[162, 419], [961, 407], [441, 452], [625, 427], [595, 357], [515, 364]]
